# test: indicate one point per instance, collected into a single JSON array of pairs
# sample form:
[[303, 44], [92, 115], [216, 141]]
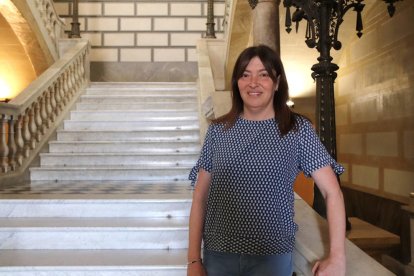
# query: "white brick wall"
[[122, 9], [137, 55], [102, 24], [90, 9], [142, 30], [152, 39], [136, 24], [148, 9], [119, 39]]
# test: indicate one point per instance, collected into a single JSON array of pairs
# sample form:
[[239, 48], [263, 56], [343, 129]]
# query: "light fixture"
[[290, 103]]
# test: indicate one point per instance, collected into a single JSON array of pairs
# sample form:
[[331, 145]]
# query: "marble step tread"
[[136, 136], [93, 223], [168, 84], [122, 260], [120, 154], [138, 106], [130, 126], [126, 117], [154, 91]]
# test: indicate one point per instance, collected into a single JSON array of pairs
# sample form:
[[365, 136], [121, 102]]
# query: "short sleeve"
[[205, 159], [312, 153]]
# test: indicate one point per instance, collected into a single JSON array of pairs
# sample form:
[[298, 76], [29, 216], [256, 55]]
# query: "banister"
[[28, 120]]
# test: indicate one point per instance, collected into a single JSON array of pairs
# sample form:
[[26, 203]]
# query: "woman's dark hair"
[[285, 118]]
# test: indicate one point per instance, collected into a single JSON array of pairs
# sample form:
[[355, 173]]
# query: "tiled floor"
[[95, 188]]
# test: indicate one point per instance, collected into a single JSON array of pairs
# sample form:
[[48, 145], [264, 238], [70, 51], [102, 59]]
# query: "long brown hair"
[[285, 117]]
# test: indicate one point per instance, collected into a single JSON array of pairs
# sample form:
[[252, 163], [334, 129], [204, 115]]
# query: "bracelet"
[[195, 261]]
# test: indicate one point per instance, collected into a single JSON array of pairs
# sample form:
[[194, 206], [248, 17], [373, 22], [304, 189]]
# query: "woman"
[[243, 202]]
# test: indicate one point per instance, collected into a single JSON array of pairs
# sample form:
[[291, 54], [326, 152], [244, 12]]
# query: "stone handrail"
[[28, 120]]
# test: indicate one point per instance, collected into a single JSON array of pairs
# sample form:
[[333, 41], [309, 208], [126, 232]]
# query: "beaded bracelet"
[[194, 261]]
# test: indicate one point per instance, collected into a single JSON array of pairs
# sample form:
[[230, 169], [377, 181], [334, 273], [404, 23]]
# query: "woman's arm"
[[335, 263], [197, 215]]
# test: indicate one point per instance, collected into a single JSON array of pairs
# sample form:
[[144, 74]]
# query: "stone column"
[[266, 28]]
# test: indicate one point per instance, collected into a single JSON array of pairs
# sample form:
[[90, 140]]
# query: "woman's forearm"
[[197, 215]]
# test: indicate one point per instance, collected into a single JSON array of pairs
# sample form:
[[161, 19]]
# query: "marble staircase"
[[111, 197]]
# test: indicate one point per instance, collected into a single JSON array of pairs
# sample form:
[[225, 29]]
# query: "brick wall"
[[136, 31]]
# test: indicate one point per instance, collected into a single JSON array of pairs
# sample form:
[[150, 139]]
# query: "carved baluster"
[[49, 110], [55, 112], [38, 120], [32, 126], [18, 137], [83, 62], [71, 80], [58, 98], [12, 145], [60, 88], [4, 148], [78, 79], [66, 86], [27, 137], [43, 113]]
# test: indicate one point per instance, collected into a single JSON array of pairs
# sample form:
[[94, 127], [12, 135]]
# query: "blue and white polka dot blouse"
[[250, 207]]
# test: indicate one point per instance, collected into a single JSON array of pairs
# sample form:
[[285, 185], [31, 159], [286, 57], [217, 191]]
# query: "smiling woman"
[[243, 203]]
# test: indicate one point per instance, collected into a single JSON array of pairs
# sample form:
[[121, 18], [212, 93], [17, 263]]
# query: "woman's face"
[[257, 89]]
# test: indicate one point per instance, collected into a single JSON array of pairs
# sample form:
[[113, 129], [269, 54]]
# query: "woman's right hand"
[[196, 269]]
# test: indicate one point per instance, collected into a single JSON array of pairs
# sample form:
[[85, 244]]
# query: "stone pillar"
[[266, 28]]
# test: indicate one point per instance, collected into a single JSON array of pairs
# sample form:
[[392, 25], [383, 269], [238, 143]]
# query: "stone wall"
[[143, 40], [375, 105]]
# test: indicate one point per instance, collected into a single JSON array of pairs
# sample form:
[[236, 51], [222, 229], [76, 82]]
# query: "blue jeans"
[[229, 264]]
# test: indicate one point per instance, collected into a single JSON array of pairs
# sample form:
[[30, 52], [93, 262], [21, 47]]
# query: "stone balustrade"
[[51, 20], [28, 120]]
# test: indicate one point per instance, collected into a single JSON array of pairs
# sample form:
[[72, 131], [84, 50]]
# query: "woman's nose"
[[253, 81]]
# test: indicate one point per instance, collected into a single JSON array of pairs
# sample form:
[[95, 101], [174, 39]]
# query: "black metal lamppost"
[[210, 20], [323, 19], [75, 31]]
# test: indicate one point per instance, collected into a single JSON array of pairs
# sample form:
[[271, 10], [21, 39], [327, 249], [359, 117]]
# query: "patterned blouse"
[[250, 206]]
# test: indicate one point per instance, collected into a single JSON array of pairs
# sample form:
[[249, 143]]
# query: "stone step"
[[105, 173], [151, 201], [93, 233], [132, 116], [171, 160], [137, 136], [128, 99], [123, 147], [145, 91], [168, 106], [144, 85], [132, 126], [93, 262]]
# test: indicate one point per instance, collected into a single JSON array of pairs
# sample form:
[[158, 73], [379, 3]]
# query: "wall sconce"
[[290, 103]]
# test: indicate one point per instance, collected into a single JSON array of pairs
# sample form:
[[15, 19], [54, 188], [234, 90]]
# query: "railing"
[[48, 21], [28, 120]]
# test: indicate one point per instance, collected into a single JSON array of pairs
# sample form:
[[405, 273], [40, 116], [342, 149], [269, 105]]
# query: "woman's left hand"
[[330, 266]]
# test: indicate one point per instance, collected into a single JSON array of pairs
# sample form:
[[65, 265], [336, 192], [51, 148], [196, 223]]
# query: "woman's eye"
[[245, 75], [264, 75]]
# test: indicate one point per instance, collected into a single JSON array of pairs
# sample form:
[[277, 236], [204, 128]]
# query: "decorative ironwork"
[[323, 19]]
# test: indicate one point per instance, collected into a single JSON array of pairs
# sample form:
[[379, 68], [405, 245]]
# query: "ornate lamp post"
[[323, 19], [210, 20], [75, 31]]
